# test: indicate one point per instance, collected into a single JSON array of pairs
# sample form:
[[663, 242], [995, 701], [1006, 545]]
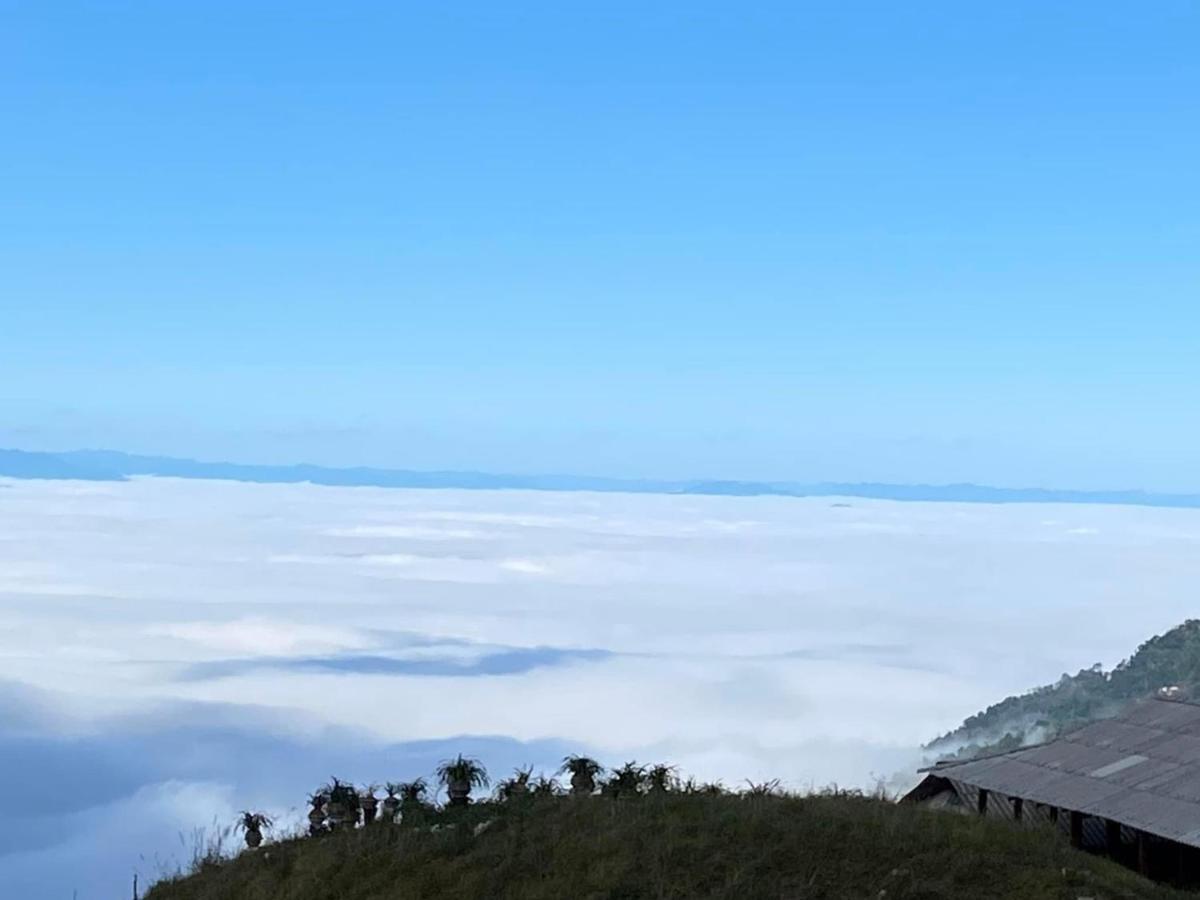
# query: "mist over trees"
[[1170, 660]]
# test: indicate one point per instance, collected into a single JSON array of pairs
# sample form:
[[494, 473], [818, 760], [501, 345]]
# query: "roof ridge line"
[[949, 763]]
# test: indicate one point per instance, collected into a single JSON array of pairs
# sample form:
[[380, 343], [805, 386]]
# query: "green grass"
[[672, 847]]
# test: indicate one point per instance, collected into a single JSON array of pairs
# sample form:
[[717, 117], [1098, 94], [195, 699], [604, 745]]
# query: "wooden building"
[[1128, 787]]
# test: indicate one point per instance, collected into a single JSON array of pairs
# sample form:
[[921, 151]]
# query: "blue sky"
[[904, 242]]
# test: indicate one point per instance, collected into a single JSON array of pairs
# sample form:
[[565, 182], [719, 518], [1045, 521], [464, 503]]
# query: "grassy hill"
[[1172, 658], [669, 846]]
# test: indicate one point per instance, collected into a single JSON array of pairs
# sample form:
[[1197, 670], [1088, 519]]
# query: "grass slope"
[[672, 847]]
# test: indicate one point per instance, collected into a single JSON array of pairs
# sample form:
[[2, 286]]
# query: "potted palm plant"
[[316, 815], [391, 803], [253, 823], [343, 804], [545, 787], [759, 790], [412, 800], [626, 781], [516, 787], [708, 788], [459, 776], [368, 803], [661, 778], [583, 771]]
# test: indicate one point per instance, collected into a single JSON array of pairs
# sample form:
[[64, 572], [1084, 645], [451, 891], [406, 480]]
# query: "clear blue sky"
[[841, 240]]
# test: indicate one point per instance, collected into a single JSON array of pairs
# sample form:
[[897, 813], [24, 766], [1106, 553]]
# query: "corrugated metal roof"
[[1141, 769]]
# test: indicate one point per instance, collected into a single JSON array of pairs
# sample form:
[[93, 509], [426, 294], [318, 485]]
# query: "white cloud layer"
[[757, 637]]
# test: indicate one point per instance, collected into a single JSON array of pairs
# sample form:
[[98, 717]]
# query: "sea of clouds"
[[174, 651]]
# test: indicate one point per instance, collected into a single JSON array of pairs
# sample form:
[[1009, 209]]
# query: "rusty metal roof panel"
[[1170, 715], [977, 768], [1141, 768], [1184, 786], [1067, 756], [1080, 793], [1065, 789], [1164, 816], [1157, 780], [1147, 775], [1116, 735], [1055, 755], [1040, 785], [1013, 778], [1181, 748]]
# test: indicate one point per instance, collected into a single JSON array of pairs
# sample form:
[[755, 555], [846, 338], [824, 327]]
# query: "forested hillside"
[[1168, 660]]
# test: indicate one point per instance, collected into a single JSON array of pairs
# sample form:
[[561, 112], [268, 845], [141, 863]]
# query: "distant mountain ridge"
[[112, 465]]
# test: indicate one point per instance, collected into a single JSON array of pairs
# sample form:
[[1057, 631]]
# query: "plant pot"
[[460, 792], [582, 785], [339, 815], [254, 837], [316, 820], [370, 806], [390, 807], [412, 813]]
